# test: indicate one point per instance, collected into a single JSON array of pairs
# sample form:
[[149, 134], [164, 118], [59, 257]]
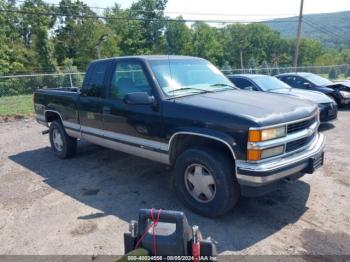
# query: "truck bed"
[[63, 100]]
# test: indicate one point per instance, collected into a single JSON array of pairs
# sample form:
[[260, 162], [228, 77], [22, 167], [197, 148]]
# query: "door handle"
[[106, 110]]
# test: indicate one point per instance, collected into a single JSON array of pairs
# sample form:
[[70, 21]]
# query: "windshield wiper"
[[191, 88], [221, 84]]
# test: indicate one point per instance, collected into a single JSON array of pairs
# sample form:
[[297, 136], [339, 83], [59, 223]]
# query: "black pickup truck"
[[221, 142]]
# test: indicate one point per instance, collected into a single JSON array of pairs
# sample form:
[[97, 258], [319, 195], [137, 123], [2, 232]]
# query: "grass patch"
[[16, 106]]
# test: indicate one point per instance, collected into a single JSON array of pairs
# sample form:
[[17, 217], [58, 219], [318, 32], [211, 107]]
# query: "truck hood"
[[313, 96], [262, 108]]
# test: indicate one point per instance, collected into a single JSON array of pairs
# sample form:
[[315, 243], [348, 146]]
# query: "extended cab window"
[[95, 82], [129, 77]]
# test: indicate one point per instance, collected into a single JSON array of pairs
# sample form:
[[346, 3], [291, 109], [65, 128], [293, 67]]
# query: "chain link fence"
[[13, 85], [331, 71]]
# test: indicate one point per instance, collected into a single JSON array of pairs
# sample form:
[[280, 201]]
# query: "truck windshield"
[[179, 77], [268, 83]]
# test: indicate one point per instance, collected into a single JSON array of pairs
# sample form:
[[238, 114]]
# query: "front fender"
[[207, 133]]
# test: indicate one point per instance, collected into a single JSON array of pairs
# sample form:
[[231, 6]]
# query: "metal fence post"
[[70, 75]]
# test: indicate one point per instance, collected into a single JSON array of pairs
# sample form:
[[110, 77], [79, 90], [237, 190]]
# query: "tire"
[[223, 196], [66, 146]]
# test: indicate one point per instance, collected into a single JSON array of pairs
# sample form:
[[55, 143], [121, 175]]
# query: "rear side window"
[[96, 80]]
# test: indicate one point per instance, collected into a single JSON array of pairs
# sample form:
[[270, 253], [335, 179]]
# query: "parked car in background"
[[328, 107], [221, 142], [339, 92], [345, 83]]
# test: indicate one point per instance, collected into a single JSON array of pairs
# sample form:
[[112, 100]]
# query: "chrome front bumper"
[[259, 174]]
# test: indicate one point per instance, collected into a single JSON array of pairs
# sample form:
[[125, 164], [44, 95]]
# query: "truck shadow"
[[325, 127], [344, 108], [119, 185]]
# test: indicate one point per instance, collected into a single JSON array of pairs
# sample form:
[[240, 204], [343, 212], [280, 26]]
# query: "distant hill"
[[332, 29]]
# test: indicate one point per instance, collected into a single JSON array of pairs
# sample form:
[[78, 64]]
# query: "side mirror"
[[306, 85], [139, 98]]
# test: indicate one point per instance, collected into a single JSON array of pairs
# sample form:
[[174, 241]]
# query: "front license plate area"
[[316, 162]]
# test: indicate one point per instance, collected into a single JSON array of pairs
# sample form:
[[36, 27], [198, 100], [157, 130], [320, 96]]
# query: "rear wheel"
[[62, 145], [205, 181]]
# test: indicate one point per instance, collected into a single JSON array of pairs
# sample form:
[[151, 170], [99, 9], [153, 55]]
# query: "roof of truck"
[[151, 57]]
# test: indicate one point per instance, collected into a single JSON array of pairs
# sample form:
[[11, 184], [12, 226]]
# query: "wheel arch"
[[182, 140], [52, 115]]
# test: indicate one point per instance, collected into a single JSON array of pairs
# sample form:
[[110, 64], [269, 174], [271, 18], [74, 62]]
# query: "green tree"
[[310, 49], [234, 42], [226, 68], [12, 51], [72, 77], [178, 37], [34, 32], [205, 43], [152, 23], [122, 24], [252, 65], [70, 30], [265, 68], [253, 40]]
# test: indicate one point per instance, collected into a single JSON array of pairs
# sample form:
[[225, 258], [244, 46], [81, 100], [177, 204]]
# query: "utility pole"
[[241, 55], [297, 43], [103, 38]]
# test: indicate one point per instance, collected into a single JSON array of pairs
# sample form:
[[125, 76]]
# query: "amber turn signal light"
[[254, 136], [253, 154]]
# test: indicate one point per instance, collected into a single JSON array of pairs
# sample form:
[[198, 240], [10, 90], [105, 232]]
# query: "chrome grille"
[[296, 144], [300, 134], [296, 127]]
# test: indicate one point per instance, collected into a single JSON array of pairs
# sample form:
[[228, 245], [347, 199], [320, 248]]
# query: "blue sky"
[[248, 10]]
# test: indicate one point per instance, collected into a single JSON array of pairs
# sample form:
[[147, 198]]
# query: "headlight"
[[344, 94], [266, 134], [321, 105], [257, 154]]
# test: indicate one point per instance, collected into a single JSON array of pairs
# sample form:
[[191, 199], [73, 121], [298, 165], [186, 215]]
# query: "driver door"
[[137, 125]]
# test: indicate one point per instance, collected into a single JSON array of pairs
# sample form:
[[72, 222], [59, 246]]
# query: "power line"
[[325, 31], [173, 12], [140, 19]]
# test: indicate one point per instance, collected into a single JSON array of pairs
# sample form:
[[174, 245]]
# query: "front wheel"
[[62, 145], [205, 181]]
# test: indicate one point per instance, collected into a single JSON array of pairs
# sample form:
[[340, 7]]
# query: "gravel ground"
[[83, 205]]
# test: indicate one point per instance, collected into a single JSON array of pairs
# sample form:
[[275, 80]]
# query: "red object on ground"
[[152, 225]]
